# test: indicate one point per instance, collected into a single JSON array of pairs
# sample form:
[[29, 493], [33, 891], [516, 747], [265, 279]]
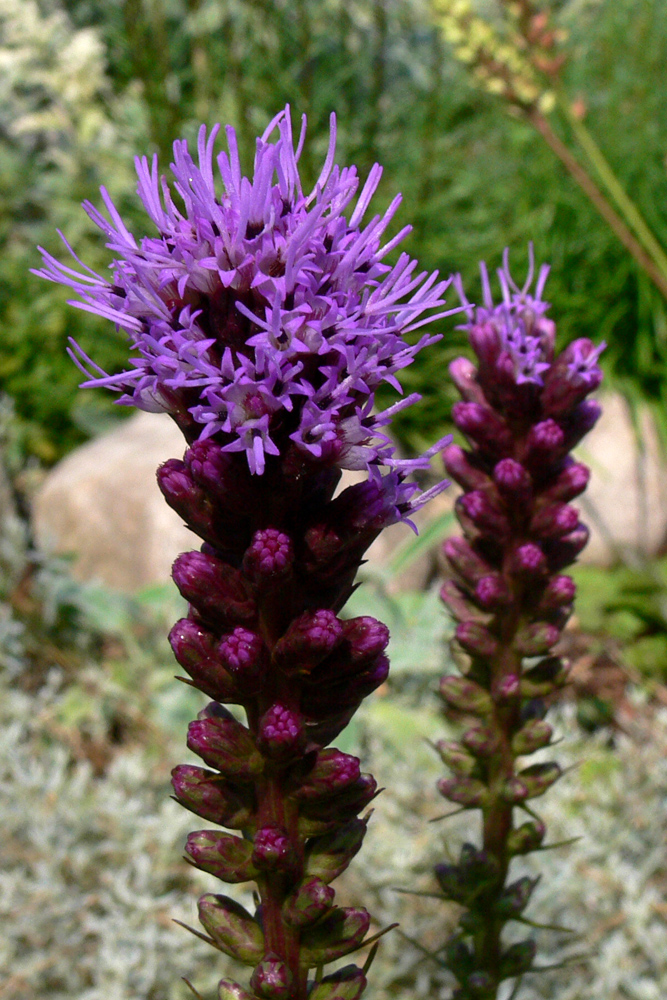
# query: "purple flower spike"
[[523, 409]]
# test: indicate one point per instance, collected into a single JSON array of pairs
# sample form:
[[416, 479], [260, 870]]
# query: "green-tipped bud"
[[344, 984], [466, 792], [272, 979], [328, 856], [228, 990], [515, 898], [526, 838], [232, 929], [536, 639], [333, 772], [544, 678], [337, 934], [456, 757], [538, 777], [224, 743], [481, 741], [228, 858], [308, 902], [513, 790], [466, 695], [534, 735], [212, 797], [476, 639], [517, 959]]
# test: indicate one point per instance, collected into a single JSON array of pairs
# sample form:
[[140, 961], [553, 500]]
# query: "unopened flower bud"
[[308, 902], [338, 933], [544, 678], [582, 420], [477, 508], [526, 838], [570, 482], [328, 856], [208, 795], [332, 772], [538, 777], [544, 443], [481, 741], [466, 695], [479, 984], [506, 689], [185, 497], [517, 959], [232, 928], [307, 641], [483, 427], [558, 593], [537, 638], [243, 654], [554, 520], [272, 979], [485, 342], [512, 480], [281, 733], [229, 990], [269, 557], [514, 791], [224, 743], [464, 377], [466, 792], [272, 849], [563, 551], [459, 466], [476, 639], [465, 560], [515, 898], [529, 560], [456, 757], [194, 648], [215, 588], [347, 983], [534, 735], [228, 858], [461, 605]]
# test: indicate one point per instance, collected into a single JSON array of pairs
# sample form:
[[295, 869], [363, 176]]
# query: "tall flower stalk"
[[523, 410], [263, 319]]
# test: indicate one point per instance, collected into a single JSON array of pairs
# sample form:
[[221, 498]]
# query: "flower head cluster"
[[259, 313]]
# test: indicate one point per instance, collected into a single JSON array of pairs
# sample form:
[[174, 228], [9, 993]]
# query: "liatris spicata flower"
[[263, 321], [523, 411]]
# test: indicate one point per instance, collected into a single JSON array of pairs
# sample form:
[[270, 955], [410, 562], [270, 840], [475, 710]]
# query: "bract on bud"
[[333, 771], [272, 979], [307, 641], [228, 858], [534, 735], [215, 588], [477, 510], [538, 777], [481, 741], [329, 855], [306, 904], [537, 638], [515, 898], [476, 639], [526, 838], [455, 757], [231, 928], [228, 990], [569, 483], [465, 560], [194, 648], [559, 592], [485, 342], [466, 695], [225, 744], [461, 605], [186, 498], [466, 792], [554, 520], [347, 983], [464, 377], [339, 808], [269, 556], [212, 797], [338, 933], [563, 551]]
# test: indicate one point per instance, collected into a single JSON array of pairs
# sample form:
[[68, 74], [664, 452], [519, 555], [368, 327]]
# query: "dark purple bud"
[[481, 741], [244, 656], [460, 468], [338, 933], [558, 593], [478, 509], [366, 636], [461, 605], [466, 695], [269, 556], [570, 482], [308, 902], [464, 560], [210, 796], [485, 342], [228, 990], [476, 639], [545, 677], [537, 638], [322, 816], [534, 735], [281, 734], [272, 980], [224, 743], [483, 427], [333, 771], [517, 959], [506, 689], [455, 757], [492, 591], [231, 928], [185, 497], [228, 858], [194, 648], [512, 480], [217, 472], [329, 855], [215, 588], [309, 638], [544, 444], [582, 420], [344, 984], [529, 561], [273, 850], [554, 520], [464, 376], [563, 551], [526, 838], [466, 792], [538, 778]]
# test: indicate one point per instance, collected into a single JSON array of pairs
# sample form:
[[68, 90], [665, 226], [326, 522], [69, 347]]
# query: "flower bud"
[[538, 777], [466, 695], [506, 689], [228, 858], [544, 677], [460, 468], [464, 377], [461, 605], [341, 931], [455, 757], [479, 984], [186, 498], [194, 648], [228, 990], [492, 592], [309, 638], [243, 655], [536, 639], [213, 587], [224, 479], [308, 902], [272, 980], [544, 444], [513, 481], [558, 593], [485, 342], [324, 815], [458, 958], [526, 838], [477, 509], [466, 792], [464, 560], [569, 483], [329, 855], [281, 734], [272, 850], [562, 551], [534, 735], [231, 928], [347, 983], [517, 959], [210, 796], [269, 557], [514, 791], [483, 427], [481, 741], [554, 520], [333, 772], [529, 560], [475, 639], [580, 421], [515, 898], [224, 743]]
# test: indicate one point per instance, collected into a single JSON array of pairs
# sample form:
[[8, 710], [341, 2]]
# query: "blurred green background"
[[87, 84]]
